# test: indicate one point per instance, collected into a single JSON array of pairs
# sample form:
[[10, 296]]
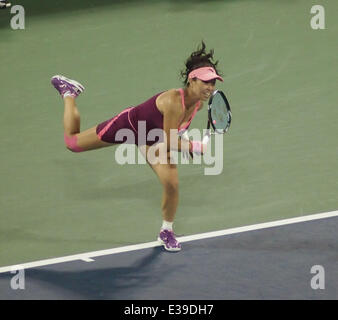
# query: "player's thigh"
[[89, 140]]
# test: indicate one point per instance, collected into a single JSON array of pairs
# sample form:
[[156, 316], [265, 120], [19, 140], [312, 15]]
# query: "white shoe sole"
[[171, 249]]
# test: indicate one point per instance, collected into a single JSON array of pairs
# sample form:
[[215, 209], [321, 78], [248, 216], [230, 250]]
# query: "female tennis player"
[[168, 110]]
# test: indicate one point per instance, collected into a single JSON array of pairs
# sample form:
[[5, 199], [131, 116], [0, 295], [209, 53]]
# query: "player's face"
[[204, 89]]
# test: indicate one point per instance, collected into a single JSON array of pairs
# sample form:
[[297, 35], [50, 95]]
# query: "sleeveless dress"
[[142, 124]]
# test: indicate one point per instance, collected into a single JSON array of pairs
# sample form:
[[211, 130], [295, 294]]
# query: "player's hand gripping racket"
[[219, 116]]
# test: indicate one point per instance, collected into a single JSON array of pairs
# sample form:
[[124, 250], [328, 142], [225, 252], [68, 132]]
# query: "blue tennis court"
[[271, 263]]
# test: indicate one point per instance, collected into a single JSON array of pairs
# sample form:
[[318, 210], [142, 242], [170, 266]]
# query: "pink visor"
[[204, 74]]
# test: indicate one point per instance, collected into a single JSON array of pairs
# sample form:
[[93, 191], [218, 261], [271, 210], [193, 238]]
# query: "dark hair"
[[199, 58]]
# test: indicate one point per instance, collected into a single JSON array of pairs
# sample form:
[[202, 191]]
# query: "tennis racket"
[[219, 116]]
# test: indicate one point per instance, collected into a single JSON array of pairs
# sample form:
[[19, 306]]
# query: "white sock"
[[68, 94], [167, 225]]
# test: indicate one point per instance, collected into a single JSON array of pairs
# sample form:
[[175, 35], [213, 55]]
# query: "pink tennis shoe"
[[169, 241], [67, 86]]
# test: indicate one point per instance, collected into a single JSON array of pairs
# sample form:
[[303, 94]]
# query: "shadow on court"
[[105, 283]]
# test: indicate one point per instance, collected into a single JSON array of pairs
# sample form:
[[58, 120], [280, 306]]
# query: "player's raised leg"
[[75, 140]]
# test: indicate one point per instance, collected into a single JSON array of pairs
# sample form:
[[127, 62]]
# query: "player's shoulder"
[[169, 100], [171, 96]]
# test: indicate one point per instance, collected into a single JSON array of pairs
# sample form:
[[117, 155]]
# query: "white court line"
[[88, 256]]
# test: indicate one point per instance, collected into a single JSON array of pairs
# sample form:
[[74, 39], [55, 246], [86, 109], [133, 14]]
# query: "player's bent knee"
[[171, 186], [71, 143]]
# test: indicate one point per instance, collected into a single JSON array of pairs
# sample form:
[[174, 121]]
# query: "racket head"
[[219, 112]]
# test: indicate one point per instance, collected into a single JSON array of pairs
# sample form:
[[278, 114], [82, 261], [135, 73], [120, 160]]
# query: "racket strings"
[[220, 113]]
